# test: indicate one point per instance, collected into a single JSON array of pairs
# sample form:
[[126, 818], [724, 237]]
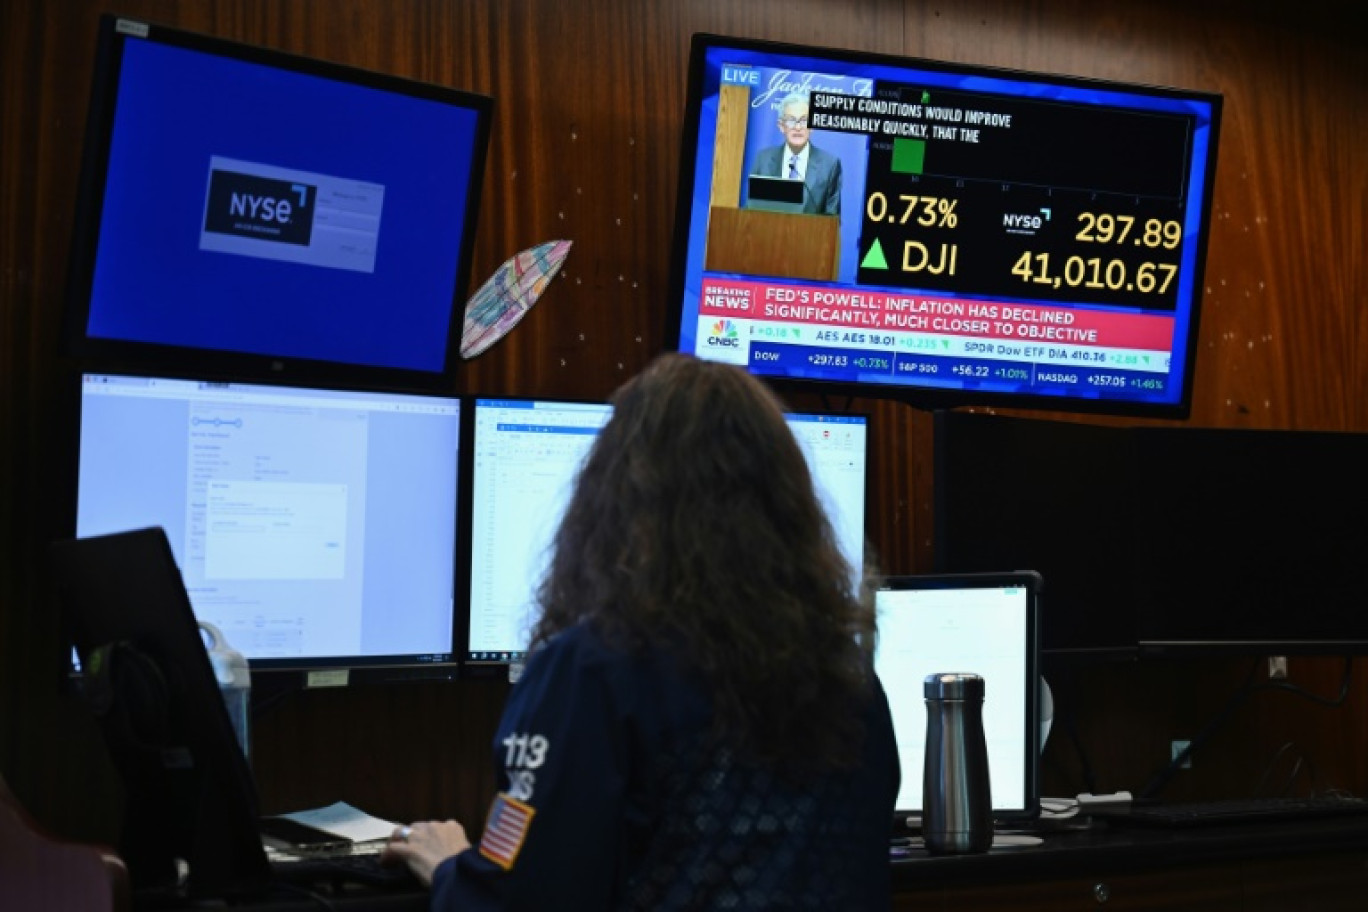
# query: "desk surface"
[[1102, 847], [1096, 849], [291, 899]]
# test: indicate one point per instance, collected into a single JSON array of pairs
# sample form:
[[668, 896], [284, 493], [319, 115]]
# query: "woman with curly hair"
[[699, 725]]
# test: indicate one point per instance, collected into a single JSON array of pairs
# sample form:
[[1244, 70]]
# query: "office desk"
[[1316, 866], [289, 900], [1308, 865]]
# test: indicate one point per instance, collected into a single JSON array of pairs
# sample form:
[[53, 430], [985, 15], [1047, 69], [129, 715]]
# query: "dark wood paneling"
[[589, 97]]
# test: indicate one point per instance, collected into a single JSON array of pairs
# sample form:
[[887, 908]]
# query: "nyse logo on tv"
[[259, 207]]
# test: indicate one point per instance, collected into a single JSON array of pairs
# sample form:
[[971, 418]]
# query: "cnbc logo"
[[248, 205], [722, 334]]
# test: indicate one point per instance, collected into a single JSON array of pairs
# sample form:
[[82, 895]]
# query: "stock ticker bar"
[[791, 329]]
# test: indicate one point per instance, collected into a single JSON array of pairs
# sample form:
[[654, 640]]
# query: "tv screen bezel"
[[933, 398], [127, 355]]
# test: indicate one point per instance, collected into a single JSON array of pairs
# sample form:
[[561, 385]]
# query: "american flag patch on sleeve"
[[505, 829]]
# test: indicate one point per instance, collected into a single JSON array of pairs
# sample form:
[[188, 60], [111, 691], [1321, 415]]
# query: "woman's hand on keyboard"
[[424, 845]]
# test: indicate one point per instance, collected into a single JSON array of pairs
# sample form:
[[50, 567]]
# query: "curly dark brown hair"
[[694, 529]]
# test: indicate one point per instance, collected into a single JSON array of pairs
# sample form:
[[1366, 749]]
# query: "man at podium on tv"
[[796, 160]]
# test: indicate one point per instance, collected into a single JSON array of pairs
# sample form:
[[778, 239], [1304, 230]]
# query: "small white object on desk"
[[1088, 799], [341, 819]]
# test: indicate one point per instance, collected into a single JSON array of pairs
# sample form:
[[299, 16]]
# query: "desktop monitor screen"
[[1054, 496], [1162, 540], [1250, 542], [965, 234], [983, 624], [256, 214], [314, 527], [526, 455]]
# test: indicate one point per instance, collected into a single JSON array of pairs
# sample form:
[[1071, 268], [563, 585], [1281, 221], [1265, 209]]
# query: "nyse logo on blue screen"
[[310, 218], [260, 207]]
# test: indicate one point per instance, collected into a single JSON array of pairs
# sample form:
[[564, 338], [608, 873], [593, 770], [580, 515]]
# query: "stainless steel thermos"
[[957, 812]]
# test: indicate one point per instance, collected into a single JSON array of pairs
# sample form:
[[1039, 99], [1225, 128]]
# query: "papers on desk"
[[341, 819]]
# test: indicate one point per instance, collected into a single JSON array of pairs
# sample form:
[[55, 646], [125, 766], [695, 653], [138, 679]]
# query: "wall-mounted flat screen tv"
[[261, 215], [941, 233]]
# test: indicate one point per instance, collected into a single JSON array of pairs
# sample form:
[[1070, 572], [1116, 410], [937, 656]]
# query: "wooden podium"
[[780, 244]]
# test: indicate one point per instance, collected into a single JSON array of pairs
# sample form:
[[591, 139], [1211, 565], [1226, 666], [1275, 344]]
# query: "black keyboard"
[[1236, 811], [358, 867]]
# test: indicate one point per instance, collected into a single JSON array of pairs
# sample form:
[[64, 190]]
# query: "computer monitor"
[[777, 194], [315, 527], [1250, 542], [190, 805], [1054, 496], [1162, 540], [967, 234], [526, 455], [984, 624], [260, 215]]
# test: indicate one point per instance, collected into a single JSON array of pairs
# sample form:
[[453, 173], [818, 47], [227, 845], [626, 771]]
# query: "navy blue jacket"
[[611, 798]]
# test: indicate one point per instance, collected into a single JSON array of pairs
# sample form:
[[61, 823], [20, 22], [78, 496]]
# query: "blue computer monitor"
[[263, 215], [316, 527], [526, 454]]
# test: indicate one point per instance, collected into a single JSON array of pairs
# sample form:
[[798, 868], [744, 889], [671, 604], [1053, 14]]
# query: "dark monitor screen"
[[526, 455], [966, 234], [316, 527], [775, 193], [265, 215], [190, 805], [1163, 540], [1050, 496], [1251, 541]]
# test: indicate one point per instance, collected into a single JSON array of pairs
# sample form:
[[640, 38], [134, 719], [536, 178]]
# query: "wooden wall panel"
[[585, 147]]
